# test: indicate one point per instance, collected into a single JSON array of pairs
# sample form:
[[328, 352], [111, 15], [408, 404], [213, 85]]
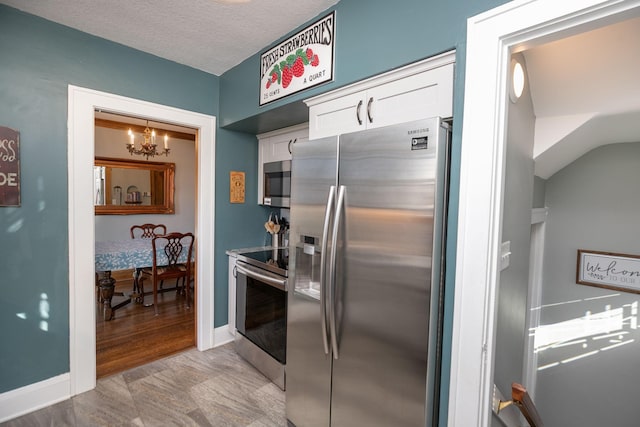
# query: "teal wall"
[[238, 225], [39, 60]]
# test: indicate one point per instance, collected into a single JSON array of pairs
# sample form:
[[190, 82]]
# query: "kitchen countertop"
[[235, 252]]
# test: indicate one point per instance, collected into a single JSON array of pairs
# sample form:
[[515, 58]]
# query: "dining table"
[[125, 254]]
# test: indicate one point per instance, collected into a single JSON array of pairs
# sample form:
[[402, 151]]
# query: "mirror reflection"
[[133, 187]]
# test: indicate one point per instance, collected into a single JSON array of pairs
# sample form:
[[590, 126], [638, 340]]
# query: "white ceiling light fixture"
[[517, 80]]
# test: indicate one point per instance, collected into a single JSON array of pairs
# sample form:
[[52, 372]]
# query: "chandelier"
[[148, 147]]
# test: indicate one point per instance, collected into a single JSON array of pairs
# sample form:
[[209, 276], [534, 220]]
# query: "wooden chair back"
[[174, 246], [147, 231]]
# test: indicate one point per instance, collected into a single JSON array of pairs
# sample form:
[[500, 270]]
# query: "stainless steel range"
[[261, 311]]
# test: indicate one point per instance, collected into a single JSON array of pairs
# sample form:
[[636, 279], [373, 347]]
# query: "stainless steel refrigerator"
[[368, 213]]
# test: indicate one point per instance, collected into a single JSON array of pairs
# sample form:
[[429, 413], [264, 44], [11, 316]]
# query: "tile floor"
[[211, 388]]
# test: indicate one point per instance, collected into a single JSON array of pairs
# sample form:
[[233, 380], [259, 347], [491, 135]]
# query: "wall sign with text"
[[236, 187], [300, 62], [609, 270], [9, 167]]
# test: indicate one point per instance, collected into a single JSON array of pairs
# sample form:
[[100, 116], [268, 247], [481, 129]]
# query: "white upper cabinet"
[[339, 115], [275, 146], [419, 90]]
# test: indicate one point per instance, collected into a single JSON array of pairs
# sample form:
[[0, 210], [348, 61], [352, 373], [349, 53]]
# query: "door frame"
[[82, 104], [492, 37], [534, 298]]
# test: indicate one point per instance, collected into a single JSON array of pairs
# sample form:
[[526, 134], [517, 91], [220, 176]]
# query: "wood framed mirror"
[[132, 187]]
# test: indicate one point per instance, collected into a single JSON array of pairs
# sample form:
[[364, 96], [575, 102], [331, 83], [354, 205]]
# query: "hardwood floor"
[[136, 336]]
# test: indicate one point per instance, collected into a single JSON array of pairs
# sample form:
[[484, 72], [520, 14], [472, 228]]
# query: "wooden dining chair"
[[177, 249], [147, 231]]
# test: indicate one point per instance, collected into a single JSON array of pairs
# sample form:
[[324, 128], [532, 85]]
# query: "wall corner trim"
[[539, 215], [222, 335]]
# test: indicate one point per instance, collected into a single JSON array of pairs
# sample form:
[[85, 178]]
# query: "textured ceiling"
[[210, 35]]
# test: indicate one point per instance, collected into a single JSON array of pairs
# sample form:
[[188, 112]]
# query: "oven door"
[[261, 309]]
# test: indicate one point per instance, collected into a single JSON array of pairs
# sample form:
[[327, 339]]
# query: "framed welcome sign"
[[300, 62], [609, 270]]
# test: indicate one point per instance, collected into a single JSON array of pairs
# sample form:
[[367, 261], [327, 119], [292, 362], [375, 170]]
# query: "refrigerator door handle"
[[332, 271], [323, 268]]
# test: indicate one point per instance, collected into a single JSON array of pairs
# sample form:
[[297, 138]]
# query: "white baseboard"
[[35, 396], [222, 335]]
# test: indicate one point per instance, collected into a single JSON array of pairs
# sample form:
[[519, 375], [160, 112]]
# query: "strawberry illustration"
[[268, 83], [301, 54], [275, 74], [298, 67], [315, 61], [287, 76], [309, 54]]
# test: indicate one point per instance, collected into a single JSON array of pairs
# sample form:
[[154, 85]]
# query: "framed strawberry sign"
[[300, 62]]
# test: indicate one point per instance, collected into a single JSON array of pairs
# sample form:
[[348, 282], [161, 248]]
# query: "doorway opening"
[[81, 140], [135, 335]]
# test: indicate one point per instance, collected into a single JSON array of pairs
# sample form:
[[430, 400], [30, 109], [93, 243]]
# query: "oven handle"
[[264, 276]]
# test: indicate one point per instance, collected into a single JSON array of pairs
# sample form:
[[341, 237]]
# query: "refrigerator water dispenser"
[[308, 279]]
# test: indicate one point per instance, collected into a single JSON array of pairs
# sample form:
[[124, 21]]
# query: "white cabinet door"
[[419, 90], [280, 148], [300, 137], [340, 115], [281, 144], [276, 146], [264, 156], [420, 96]]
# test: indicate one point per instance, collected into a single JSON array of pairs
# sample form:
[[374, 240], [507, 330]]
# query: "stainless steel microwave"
[[277, 184]]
